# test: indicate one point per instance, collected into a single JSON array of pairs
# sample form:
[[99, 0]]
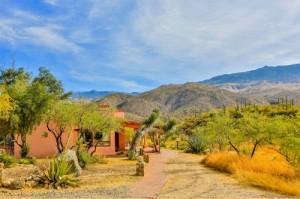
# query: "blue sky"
[[135, 45]]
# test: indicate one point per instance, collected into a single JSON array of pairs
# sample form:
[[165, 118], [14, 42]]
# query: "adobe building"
[[42, 143]]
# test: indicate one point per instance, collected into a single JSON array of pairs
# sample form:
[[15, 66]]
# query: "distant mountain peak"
[[274, 74]]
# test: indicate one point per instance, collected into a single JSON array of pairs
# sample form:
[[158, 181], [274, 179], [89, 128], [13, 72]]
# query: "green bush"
[[60, 174], [27, 161], [7, 160], [195, 144], [85, 158]]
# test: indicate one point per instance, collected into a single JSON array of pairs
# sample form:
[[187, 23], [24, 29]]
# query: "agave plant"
[[195, 144], [60, 174]]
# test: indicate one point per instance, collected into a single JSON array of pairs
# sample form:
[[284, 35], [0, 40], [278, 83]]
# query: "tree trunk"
[[95, 148], [58, 139], [135, 142], [24, 147], [254, 148], [234, 148]]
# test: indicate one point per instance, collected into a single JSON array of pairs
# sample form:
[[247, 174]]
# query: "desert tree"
[[31, 101], [61, 121], [6, 104], [95, 124], [147, 125]]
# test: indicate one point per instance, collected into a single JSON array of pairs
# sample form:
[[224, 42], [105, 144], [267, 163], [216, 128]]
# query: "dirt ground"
[[168, 175], [186, 178]]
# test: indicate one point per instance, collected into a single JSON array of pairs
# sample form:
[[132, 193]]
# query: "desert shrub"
[[27, 161], [267, 169], [60, 174], [7, 159], [195, 144], [85, 158], [172, 144]]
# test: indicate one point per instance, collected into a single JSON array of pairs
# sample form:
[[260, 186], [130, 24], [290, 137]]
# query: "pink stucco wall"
[[40, 146]]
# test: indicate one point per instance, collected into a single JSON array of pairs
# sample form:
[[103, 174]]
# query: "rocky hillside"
[[178, 99], [268, 82]]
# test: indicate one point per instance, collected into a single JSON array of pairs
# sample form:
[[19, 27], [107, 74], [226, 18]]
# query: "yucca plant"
[[60, 174]]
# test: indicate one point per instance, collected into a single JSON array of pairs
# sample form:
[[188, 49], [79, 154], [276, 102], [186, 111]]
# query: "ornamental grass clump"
[[267, 170]]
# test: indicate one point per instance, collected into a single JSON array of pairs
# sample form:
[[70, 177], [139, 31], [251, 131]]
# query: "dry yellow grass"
[[267, 169]]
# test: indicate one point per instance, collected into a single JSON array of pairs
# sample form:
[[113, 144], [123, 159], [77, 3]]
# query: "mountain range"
[[261, 86], [96, 95], [269, 82], [272, 74]]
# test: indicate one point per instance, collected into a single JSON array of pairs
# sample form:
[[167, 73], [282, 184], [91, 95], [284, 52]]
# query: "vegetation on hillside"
[[259, 144]]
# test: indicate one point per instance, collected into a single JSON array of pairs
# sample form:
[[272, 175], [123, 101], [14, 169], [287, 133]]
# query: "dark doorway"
[[117, 141]]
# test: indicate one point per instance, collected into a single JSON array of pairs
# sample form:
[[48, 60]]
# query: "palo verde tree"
[[61, 121], [148, 124], [288, 138], [31, 100], [257, 130]]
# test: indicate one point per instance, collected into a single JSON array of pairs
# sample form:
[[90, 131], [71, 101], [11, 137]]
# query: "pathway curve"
[[155, 177]]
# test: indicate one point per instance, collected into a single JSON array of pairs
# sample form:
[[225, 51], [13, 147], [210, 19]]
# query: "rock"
[[71, 156], [140, 165], [20, 176], [146, 158], [17, 184]]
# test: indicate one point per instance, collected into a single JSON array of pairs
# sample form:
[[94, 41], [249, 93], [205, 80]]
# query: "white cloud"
[[214, 36], [50, 37], [122, 84], [159, 41]]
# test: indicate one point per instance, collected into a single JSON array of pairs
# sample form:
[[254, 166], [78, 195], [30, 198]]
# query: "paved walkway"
[[155, 177]]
